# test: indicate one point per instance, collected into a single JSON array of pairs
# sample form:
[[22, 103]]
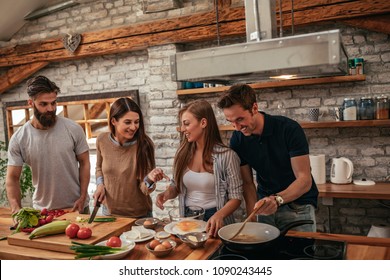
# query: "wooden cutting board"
[[61, 243]]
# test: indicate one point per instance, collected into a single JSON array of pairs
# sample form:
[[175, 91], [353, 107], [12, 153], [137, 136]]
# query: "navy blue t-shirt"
[[269, 155]]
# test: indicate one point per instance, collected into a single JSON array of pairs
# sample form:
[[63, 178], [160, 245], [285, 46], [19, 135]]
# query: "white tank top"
[[200, 189]]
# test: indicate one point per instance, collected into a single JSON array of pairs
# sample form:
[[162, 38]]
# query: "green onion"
[[108, 219], [88, 251]]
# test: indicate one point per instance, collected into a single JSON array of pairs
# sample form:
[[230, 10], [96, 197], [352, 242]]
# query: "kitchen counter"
[[358, 247], [181, 252]]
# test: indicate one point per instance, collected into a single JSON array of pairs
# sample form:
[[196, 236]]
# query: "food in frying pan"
[[248, 238]]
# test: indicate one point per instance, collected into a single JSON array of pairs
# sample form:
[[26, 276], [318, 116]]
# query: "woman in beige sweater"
[[125, 173]]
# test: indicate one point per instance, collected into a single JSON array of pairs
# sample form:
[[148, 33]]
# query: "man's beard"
[[45, 119]]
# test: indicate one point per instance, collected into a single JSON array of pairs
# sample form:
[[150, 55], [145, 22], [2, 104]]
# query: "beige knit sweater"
[[126, 195]]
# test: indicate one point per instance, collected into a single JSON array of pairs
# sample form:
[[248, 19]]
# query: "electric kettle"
[[341, 171]]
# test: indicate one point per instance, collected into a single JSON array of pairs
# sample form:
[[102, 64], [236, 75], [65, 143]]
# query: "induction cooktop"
[[288, 248]]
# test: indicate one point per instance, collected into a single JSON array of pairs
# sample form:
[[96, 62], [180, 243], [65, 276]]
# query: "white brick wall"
[[149, 72]]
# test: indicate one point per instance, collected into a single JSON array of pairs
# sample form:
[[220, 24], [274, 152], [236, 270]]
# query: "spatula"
[[248, 218]]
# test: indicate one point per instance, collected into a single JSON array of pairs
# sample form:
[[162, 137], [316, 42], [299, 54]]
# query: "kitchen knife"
[[94, 212]]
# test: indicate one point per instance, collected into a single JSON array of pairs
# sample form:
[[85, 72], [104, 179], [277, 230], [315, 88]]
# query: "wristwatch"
[[149, 184], [279, 200]]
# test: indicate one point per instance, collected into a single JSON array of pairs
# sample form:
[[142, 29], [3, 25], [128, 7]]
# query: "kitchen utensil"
[[161, 235], [94, 212], [194, 239], [193, 212], [261, 203], [149, 223], [259, 235], [341, 171]]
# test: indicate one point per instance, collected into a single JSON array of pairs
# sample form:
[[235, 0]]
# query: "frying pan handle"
[[289, 226]]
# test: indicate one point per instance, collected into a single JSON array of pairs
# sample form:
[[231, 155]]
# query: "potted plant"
[[26, 187]]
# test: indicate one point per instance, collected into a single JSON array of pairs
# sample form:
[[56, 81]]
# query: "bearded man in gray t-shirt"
[[56, 150]]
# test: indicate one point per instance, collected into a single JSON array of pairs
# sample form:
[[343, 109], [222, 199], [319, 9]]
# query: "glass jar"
[[366, 108], [381, 107], [350, 109]]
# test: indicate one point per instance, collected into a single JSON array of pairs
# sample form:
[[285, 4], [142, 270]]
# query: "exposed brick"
[[149, 72]]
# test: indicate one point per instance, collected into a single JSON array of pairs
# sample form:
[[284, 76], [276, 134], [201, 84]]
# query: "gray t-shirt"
[[51, 154]]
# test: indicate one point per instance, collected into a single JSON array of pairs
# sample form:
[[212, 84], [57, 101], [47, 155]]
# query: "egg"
[[166, 244], [160, 247], [153, 244]]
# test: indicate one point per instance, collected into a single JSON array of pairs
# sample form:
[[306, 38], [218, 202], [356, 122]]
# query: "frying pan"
[[262, 235]]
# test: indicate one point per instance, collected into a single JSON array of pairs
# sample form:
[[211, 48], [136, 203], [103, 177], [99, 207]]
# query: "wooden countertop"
[[181, 252], [380, 190], [358, 247]]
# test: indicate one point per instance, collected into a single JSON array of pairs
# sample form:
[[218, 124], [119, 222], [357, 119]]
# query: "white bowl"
[[126, 245]]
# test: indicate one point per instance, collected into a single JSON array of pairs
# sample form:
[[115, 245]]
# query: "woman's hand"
[[99, 194], [214, 224], [156, 175], [160, 200], [169, 193]]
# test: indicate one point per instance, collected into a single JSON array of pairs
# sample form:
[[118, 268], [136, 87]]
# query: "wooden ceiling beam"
[[172, 30], [375, 23], [17, 74], [128, 44]]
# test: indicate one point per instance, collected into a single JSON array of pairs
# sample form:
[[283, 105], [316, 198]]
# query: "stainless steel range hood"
[[302, 56]]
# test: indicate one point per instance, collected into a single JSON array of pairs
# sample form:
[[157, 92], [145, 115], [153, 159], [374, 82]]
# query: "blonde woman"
[[206, 172]]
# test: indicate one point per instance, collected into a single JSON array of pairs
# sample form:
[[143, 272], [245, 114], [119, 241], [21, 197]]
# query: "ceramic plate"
[[127, 245], [174, 228], [189, 225], [130, 236], [168, 228]]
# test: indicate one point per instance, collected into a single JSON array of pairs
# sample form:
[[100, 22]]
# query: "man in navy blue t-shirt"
[[277, 149]]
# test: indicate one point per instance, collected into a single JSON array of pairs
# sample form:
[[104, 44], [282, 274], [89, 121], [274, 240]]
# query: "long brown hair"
[[145, 150], [199, 109]]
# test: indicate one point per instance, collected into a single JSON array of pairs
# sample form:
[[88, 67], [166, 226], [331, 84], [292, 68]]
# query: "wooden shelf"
[[365, 123], [381, 190], [282, 83]]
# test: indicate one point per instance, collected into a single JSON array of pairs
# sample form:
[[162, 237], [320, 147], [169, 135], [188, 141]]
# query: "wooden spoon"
[[261, 203]]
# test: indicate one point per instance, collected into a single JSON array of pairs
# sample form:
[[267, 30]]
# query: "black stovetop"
[[288, 248]]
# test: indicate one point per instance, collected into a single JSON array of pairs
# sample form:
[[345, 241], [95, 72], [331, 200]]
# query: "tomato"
[[44, 212], [114, 241], [28, 230], [72, 230], [84, 233], [41, 222], [49, 219]]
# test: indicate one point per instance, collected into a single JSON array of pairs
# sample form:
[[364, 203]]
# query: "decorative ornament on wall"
[[71, 42]]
